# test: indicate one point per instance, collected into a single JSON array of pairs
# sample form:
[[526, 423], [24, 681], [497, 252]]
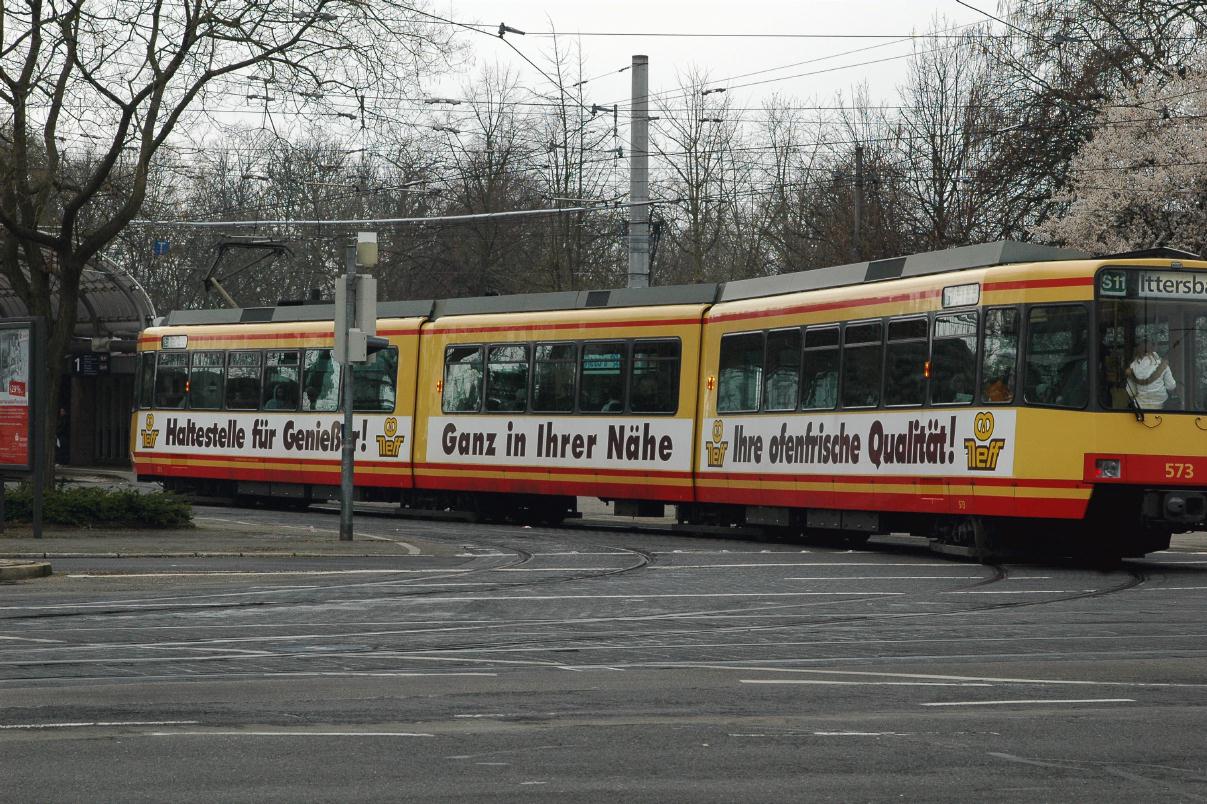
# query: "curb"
[[23, 570]]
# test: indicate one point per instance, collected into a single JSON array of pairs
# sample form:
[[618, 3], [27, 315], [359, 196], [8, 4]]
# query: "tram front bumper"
[[1178, 506]]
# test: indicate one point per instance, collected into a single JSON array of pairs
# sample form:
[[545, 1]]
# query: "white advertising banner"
[[933, 442], [562, 441], [302, 435]]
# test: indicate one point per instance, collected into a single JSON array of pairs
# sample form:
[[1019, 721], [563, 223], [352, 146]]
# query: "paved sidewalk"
[[213, 535]]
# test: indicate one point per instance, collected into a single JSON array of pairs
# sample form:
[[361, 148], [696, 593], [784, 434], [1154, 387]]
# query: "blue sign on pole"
[[160, 247]]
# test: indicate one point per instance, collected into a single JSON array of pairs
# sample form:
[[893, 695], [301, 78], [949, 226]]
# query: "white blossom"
[[1142, 179]]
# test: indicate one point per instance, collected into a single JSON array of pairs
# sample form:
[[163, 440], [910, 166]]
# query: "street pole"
[[639, 176], [348, 452], [857, 236]]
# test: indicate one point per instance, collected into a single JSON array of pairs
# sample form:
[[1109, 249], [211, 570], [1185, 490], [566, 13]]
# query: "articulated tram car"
[[994, 398]]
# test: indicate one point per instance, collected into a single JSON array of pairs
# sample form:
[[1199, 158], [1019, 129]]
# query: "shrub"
[[99, 507]]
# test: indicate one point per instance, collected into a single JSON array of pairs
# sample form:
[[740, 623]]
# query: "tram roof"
[[984, 255], [1003, 252]]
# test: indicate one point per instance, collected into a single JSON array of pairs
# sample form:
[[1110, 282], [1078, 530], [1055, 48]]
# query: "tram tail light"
[[1108, 468]]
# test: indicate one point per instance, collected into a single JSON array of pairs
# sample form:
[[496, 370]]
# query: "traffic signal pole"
[[348, 451]]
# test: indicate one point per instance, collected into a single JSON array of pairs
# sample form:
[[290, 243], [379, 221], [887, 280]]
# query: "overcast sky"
[[780, 64]]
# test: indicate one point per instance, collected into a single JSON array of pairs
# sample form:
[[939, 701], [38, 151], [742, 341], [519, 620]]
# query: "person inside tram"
[[312, 396], [280, 398], [1149, 379], [997, 389]]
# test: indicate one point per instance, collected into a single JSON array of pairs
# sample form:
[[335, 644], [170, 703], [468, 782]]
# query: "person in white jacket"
[[1149, 380]]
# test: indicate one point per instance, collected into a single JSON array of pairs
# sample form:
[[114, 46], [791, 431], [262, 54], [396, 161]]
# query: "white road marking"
[[477, 599], [100, 724], [806, 564], [1032, 702], [862, 734], [410, 548], [31, 639], [556, 569], [895, 578], [120, 575], [289, 734], [819, 681], [1025, 592], [936, 677]]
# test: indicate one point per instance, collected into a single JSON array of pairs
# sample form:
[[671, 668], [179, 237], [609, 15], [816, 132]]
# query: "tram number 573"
[[1179, 470]]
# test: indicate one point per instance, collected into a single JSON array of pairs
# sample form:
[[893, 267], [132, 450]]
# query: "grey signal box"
[[352, 337]]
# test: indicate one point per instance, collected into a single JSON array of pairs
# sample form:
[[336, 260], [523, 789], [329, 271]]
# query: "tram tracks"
[[545, 634]]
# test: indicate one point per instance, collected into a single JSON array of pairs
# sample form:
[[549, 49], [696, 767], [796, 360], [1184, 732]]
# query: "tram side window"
[[654, 386], [819, 369], [507, 378], [602, 387], [205, 380], [740, 377], [280, 389], [905, 362], [953, 359], [1056, 370], [782, 385], [999, 355], [375, 382], [1200, 362], [553, 377], [171, 379], [462, 379], [862, 348], [243, 381], [146, 385], [320, 381]]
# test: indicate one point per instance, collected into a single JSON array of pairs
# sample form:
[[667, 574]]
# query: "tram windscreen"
[[1152, 333]]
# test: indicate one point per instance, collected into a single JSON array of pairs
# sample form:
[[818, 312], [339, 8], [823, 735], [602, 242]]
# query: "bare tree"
[[132, 72], [492, 172], [695, 142], [582, 146], [948, 128]]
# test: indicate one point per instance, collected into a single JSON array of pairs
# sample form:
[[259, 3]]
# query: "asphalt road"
[[445, 661]]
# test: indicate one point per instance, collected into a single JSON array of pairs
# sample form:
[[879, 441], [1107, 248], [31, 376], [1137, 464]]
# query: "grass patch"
[[84, 507]]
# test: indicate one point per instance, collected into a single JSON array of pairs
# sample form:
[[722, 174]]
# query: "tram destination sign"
[[1172, 285]]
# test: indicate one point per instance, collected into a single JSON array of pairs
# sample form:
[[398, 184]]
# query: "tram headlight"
[[1108, 468]]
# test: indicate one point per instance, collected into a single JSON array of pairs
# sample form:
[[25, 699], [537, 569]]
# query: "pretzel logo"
[[390, 444], [982, 426], [716, 448], [149, 434], [983, 456]]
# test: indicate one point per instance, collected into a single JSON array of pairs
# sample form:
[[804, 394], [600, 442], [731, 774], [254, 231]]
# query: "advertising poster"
[[14, 397]]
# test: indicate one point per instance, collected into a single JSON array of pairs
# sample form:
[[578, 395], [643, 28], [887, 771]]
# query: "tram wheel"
[[855, 539], [984, 545]]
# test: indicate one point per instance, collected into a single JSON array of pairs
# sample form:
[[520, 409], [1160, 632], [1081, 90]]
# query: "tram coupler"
[[1176, 506]]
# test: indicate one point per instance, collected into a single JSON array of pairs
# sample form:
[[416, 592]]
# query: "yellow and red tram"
[[982, 396]]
